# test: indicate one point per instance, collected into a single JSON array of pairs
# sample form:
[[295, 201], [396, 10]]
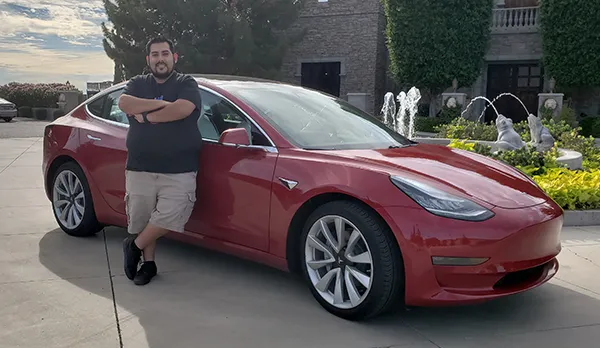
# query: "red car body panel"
[[244, 209]]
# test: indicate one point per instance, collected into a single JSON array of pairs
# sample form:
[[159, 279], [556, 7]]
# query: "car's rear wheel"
[[72, 202], [353, 267], [8, 119]]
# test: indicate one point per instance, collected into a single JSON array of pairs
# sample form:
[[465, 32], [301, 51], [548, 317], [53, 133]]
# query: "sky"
[[53, 41]]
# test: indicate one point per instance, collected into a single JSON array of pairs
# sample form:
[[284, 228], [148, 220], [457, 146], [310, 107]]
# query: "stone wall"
[[351, 32], [522, 46]]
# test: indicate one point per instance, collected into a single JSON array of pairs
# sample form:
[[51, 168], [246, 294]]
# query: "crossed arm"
[[157, 110]]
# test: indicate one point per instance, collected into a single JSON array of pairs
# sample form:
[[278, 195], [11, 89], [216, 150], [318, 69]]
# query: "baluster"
[[519, 18]]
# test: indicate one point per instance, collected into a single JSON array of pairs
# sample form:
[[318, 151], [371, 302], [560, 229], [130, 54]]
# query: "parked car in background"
[[8, 110], [305, 182]]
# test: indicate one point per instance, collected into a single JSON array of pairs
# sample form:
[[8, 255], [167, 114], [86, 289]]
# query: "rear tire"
[[72, 203], [8, 119], [359, 279]]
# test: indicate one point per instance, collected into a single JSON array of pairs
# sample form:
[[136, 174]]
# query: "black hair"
[[159, 39]]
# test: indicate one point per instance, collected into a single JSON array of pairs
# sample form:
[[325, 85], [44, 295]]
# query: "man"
[[163, 146]]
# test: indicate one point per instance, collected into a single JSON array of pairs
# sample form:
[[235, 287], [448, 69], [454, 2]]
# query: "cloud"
[[52, 40], [64, 20]]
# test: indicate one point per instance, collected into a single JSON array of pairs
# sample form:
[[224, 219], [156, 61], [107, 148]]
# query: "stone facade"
[[524, 46], [351, 32]]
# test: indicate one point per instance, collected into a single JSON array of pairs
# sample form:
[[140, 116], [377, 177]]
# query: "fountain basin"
[[571, 159]]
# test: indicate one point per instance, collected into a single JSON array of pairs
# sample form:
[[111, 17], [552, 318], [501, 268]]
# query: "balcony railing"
[[515, 20]]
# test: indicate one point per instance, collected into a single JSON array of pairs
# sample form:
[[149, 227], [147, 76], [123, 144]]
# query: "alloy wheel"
[[339, 262], [69, 199]]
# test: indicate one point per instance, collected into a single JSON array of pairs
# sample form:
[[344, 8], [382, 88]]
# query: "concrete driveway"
[[60, 291]]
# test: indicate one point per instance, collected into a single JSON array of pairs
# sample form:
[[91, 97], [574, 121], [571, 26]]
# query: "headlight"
[[441, 203]]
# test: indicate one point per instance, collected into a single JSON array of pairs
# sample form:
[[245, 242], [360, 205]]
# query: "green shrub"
[[42, 95], [567, 115], [571, 189], [461, 128], [569, 31], [445, 116], [590, 126], [427, 124]]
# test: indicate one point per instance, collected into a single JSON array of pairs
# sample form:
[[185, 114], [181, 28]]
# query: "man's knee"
[[139, 208], [176, 200]]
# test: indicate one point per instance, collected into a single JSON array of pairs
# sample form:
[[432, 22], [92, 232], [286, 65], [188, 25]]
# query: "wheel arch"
[[310, 205], [53, 167]]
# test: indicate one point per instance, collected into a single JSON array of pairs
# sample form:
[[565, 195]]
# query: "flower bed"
[[571, 189]]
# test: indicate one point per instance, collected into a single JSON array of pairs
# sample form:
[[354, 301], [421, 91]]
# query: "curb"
[[582, 218]]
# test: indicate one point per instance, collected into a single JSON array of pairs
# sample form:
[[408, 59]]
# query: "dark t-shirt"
[[168, 147]]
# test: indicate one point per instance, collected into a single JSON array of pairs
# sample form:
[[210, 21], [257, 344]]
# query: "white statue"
[[541, 138], [508, 138]]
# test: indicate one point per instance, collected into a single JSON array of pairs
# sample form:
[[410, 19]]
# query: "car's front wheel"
[[72, 202], [353, 267]]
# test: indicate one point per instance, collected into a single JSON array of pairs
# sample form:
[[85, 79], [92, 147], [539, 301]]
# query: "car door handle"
[[91, 137]]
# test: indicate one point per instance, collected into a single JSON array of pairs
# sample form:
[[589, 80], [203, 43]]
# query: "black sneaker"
[[145, 274], [131, 257]]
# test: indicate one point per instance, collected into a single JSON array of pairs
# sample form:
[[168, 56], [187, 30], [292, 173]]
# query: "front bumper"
[[520, 245]]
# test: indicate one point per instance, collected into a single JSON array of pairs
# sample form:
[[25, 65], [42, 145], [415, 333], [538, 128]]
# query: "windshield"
[[316, 121]]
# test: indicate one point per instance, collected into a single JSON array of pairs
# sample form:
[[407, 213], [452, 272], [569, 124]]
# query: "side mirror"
[[235, 136]]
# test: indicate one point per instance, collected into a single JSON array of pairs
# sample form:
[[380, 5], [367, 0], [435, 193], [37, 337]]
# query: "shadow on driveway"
[[203, 298]]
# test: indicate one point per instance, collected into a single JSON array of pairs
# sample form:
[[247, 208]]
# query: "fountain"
[[412, 107], [389, 109], [476, 99], [408, 106], [508, 138], [500, 96]]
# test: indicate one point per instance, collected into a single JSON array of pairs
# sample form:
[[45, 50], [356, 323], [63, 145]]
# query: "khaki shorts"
[[164, 200]]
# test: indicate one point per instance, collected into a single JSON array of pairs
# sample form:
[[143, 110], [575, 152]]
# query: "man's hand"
[[139, 118]]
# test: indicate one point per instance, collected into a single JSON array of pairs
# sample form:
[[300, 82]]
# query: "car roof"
[[221, 81]]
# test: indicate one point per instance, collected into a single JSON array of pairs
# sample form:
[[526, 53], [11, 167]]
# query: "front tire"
[[72, 203], [360, 277]]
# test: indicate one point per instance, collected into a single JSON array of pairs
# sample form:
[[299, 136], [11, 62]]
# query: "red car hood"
[[474, 175]]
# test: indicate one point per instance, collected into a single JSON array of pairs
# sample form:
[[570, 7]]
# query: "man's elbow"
[[185, 107], [125, 104]]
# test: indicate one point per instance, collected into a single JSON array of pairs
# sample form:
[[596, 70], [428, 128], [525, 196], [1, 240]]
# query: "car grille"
[[6, 107]]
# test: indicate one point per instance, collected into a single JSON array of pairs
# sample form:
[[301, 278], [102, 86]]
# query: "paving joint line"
[[27, 149], [112, 290]]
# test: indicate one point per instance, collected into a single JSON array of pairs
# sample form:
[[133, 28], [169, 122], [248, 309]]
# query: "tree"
[[237, 37], [432, 42], [571, 41]]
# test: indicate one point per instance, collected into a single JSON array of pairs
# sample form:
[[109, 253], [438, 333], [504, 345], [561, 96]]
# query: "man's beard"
[[161, 75]]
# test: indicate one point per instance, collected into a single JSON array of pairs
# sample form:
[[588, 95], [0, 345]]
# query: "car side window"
[[96, 106], [106, 107], [111, 109], [218, 115]]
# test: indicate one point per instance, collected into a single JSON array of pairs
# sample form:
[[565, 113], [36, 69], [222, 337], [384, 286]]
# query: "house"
[[344, 53]]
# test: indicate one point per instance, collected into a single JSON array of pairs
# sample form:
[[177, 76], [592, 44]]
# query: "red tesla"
[[305, 182]]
